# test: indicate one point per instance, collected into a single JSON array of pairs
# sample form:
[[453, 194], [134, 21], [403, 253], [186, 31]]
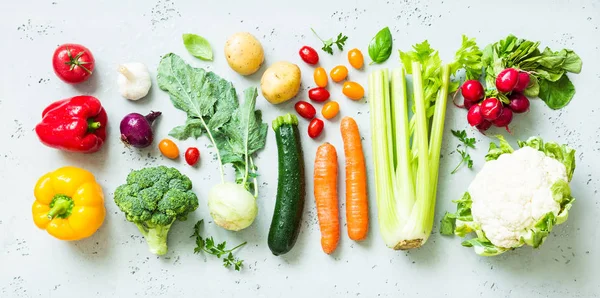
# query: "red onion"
[[136, 129]]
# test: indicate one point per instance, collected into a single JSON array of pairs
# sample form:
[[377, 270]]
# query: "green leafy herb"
[[340, 42], [547, 69], [380, 47], [467, 143], [198, 46], [208, 246], [236, 132]]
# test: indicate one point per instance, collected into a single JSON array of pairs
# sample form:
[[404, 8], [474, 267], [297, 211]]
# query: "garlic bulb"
[[134, 80]]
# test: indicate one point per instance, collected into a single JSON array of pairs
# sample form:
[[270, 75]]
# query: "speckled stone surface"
[[115, 262]]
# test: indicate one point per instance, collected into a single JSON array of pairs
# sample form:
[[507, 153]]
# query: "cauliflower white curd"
[[511, 194]]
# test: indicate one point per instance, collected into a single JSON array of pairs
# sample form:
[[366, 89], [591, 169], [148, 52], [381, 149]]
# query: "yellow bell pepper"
[[69, 204]]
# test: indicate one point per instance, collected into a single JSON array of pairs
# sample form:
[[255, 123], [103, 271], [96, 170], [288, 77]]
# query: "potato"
[[244, 53], [280, 82]]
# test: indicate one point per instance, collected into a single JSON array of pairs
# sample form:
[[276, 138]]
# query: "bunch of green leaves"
[[466, 143], [208, 246], [461, 222], [547, 69], [212, 108], [340, 42], [380, 47]]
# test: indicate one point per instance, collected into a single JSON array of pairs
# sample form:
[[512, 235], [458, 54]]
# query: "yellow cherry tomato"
[[168, 149], [353, 90], [330, 109], [339, 73], [320, 76], [356, 59]]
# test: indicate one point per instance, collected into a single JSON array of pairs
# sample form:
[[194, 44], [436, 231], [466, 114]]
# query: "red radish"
[[519, 103], [472, 91], [305, 109], [491, 109], [485, 125], [523, 82], [504, 119], [469, 104], [507, 80], [474, 115]]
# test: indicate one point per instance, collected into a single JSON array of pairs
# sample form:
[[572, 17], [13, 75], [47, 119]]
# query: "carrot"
[[357, 206], [326, 197]]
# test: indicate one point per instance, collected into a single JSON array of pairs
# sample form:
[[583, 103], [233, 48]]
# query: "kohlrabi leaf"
[[242, 136], [496, 150], [192, 128]]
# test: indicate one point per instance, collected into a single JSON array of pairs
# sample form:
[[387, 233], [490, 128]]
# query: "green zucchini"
[[289, 205]]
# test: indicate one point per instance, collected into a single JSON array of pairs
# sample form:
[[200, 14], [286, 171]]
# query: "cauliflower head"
[[516, 198]]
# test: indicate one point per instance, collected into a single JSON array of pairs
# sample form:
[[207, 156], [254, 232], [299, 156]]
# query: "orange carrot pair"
[[325, 184]]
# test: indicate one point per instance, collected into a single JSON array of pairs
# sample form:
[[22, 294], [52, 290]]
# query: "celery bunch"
[[407, 138]]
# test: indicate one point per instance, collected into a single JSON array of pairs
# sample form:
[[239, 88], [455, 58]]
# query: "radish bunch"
[[485, 111]]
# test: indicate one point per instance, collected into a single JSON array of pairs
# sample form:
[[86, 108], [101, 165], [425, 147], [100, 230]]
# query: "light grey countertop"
[[115, 261]]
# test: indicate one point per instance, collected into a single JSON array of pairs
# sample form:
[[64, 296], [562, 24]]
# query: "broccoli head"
[[153, 198]]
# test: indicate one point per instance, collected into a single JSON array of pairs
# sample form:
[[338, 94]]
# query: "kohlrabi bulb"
[[231, 206]]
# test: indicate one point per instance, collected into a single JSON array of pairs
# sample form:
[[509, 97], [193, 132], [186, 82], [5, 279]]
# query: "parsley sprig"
[[466, 143], [340, 42], [208, 246]]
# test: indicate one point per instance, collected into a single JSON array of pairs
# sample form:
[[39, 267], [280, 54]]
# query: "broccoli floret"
[[152, 199]]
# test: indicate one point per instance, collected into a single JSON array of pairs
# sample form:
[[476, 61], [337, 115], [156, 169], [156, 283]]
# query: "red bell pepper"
[[76, 124]]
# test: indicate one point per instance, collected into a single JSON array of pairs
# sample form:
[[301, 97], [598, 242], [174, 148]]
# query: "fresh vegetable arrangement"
[[516, 199], [532, 196]]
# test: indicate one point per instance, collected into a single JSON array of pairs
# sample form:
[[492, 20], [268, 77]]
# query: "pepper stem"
[[60, 206], [93, 125]]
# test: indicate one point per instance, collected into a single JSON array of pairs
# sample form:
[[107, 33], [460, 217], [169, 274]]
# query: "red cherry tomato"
[[305, 109], [318, 94], [309, 55], [192, 155], [73, 63], [315, 128]]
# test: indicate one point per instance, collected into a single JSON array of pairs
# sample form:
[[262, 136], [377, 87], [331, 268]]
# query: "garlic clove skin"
[[134, 80]]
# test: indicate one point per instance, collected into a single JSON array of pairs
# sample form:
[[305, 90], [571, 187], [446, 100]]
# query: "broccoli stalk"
[[152, 199], [156, 237]]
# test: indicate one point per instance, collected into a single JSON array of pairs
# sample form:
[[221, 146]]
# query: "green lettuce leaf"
[[483, 247], [498, 149]]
